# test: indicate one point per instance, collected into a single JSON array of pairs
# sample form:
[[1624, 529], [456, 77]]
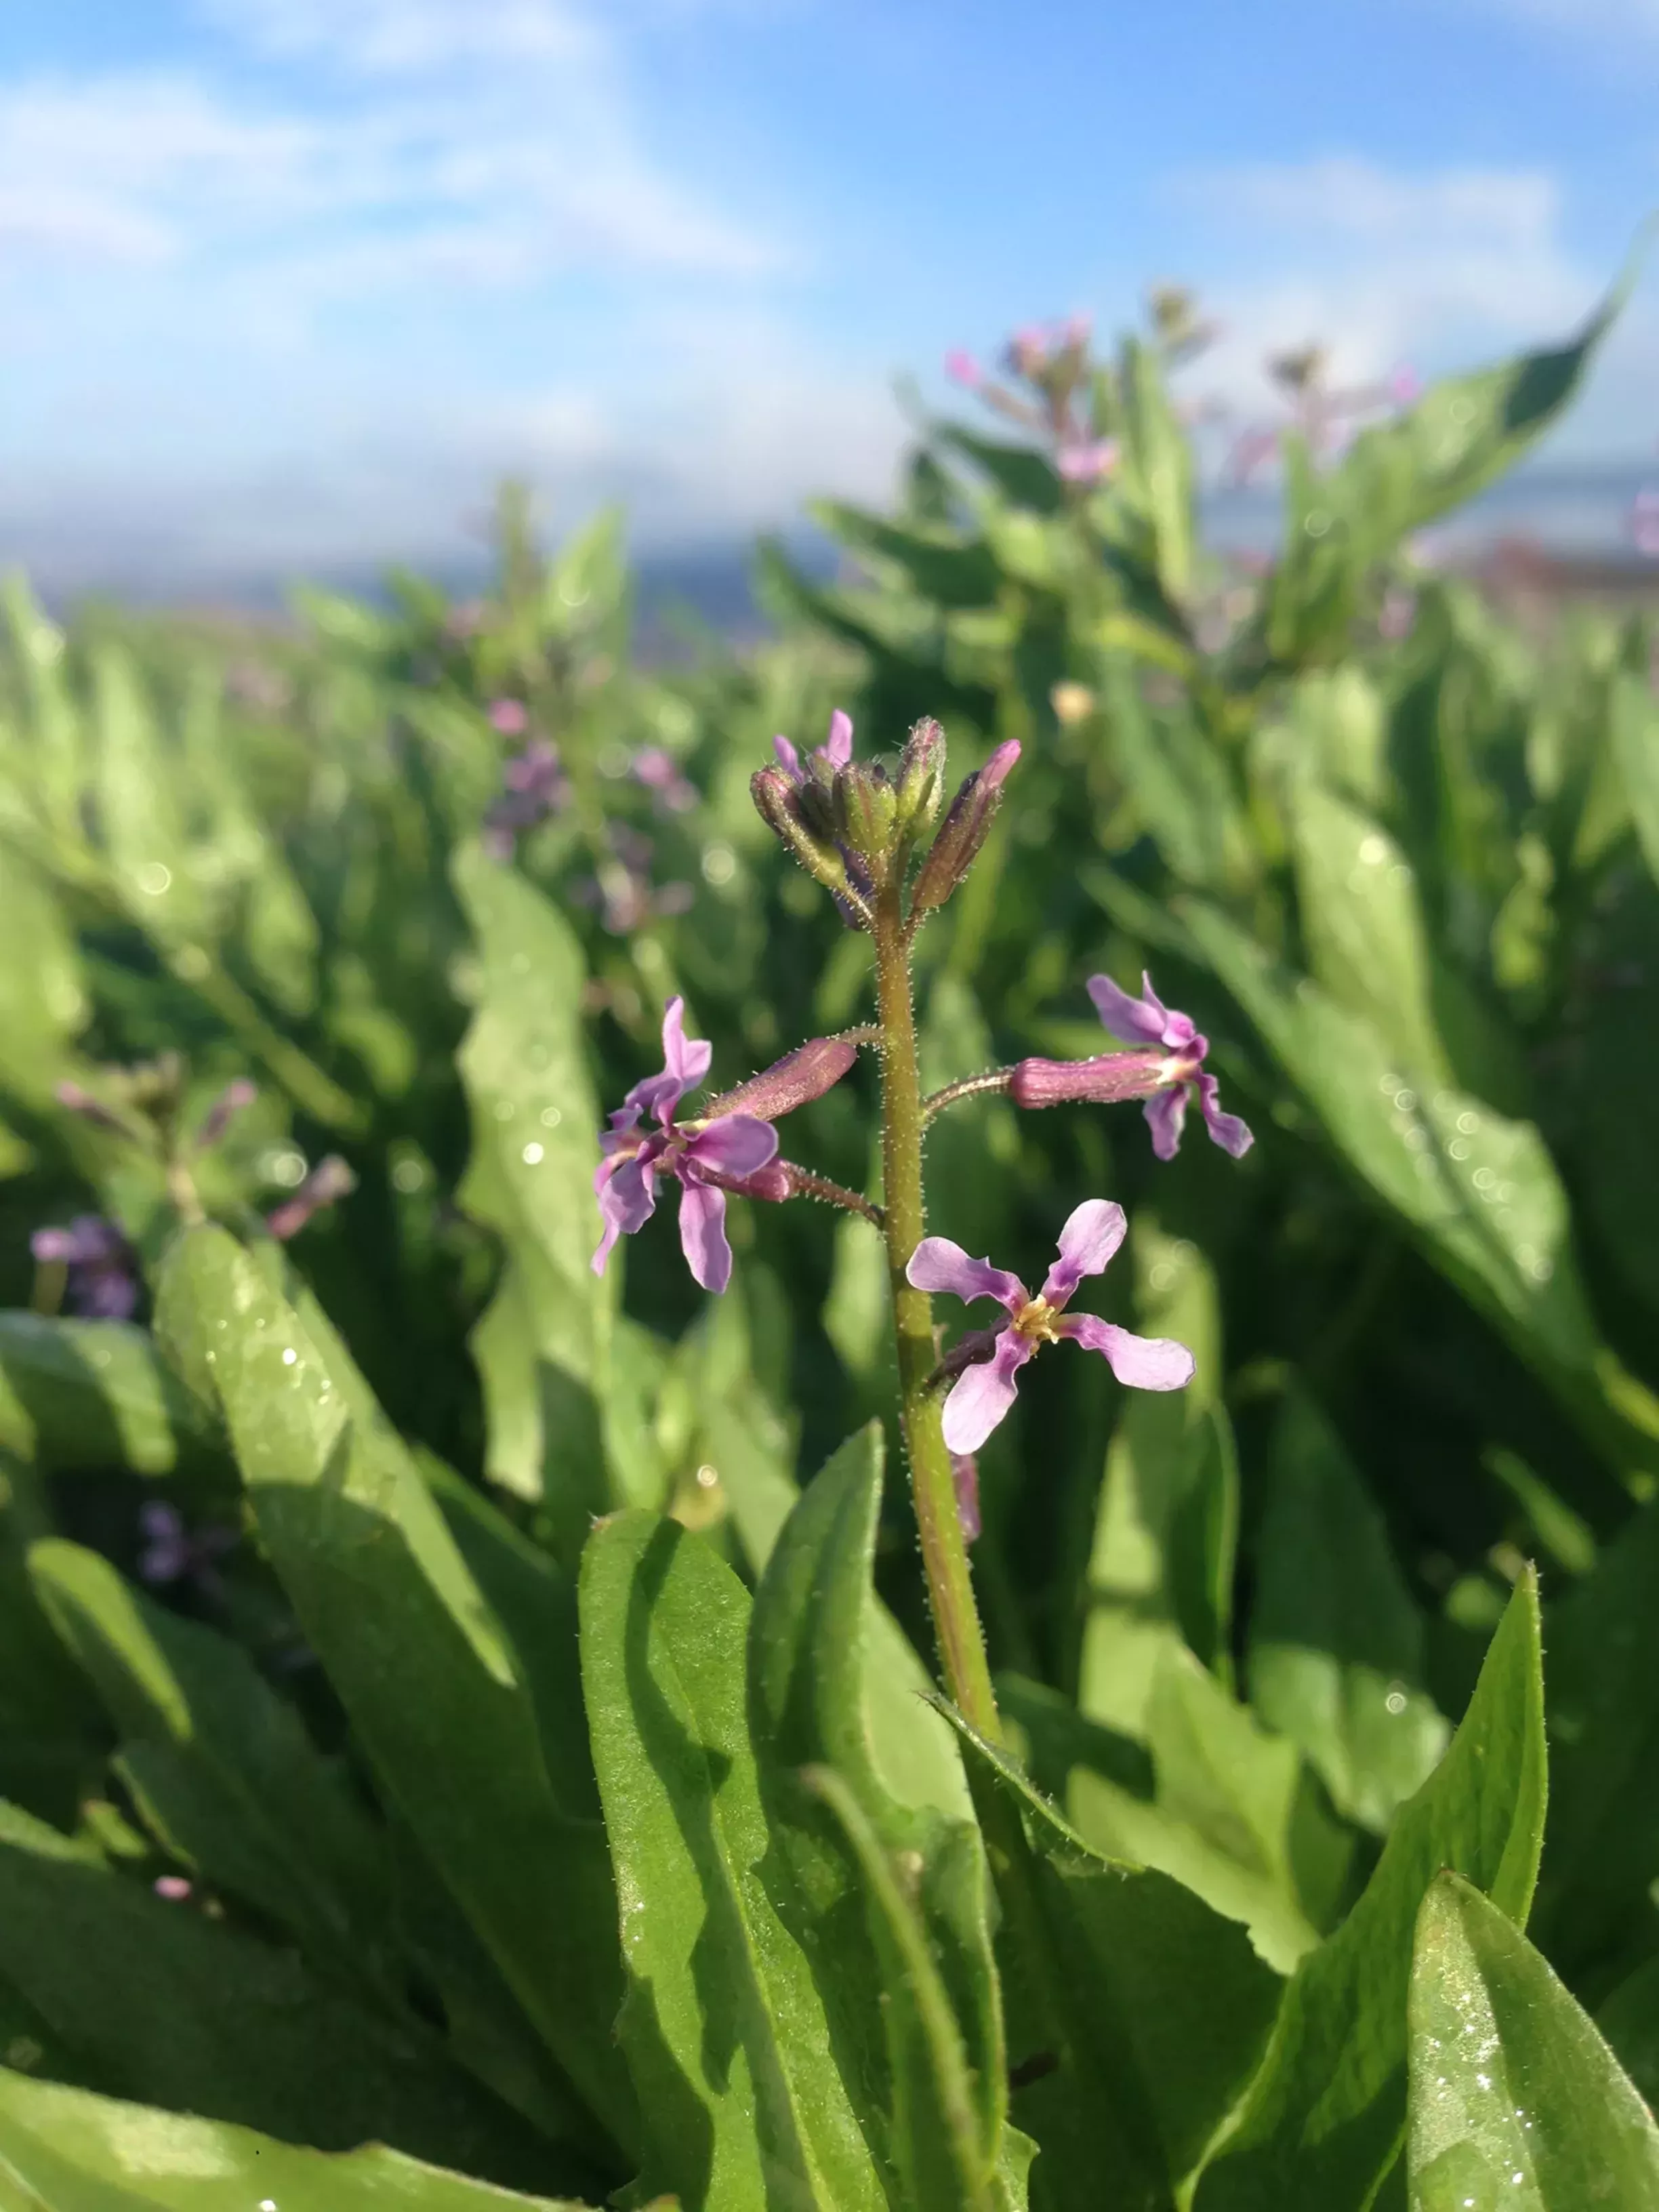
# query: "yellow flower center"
[[1039, 1321]]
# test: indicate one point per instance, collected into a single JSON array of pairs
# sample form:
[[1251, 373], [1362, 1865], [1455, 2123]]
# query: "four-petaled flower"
[[984, 1391], [1147, 1021], [730, 1146]]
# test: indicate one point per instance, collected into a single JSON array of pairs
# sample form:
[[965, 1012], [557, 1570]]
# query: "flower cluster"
[[1053, 360], [534, 786]]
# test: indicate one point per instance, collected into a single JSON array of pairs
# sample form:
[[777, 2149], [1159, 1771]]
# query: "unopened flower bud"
[[804, 1074], [330, 1180], [963, 830], [771, 1184], [1108, 1078], [866, 809], [921, 777], [231, 1100], [78, 1100], [779, 803]]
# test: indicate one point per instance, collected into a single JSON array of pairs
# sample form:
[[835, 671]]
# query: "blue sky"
[[286, 284]]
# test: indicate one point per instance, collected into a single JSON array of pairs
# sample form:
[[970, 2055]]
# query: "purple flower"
[[534, 785], [984, 1389], [1147, 1020], [1644, 523], [660, 771], [510, 716], [836, 753], [230, 1101], [1086, 461], [961, 368], [103, 1282], [694, 1153], [173, 1555]]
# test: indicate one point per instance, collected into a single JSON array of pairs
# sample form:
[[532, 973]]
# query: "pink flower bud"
[[806, 1073], [963, 830], [961, 368], [510, 716]]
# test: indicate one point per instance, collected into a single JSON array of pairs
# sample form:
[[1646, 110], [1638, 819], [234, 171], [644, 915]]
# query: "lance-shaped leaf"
[[1152, 2009], [543, 1345], [1336, 1640], [64, 2150], [93, 1393], [219, 1762], [832, 1684], [434, 1691], [1326, 2116], [154, 2000], [742, 2106], [1515, 2098]]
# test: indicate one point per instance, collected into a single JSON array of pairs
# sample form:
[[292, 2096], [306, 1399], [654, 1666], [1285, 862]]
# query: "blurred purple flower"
[[986, 1364], [694, 1153], [172, 1889], [534, 785], [231, 1100], [173, 1553], [102, 1281], [1396, 615], [1644, 522], [961, 368], [660, 771], [510, 716], [330, 1180], [1088, 461]]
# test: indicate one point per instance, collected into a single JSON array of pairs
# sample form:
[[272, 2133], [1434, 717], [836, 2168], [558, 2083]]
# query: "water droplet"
[[153, 878], [1468, 1123], [290, 1355], [503, 1110], [532, 1155], [1395, 1701], [707, 1476], [550, 1117], [1373, 849], [1459, 1148], [1318, 523]]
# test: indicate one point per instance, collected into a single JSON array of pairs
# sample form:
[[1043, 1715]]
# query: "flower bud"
[[921, 777], [804, 1074], [773, 1183], [1107, 1078], [779, 803], [866, 809], [963, 830], [330, 1180]]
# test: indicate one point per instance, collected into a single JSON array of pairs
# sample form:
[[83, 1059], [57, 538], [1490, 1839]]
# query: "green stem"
[[943, 1549]]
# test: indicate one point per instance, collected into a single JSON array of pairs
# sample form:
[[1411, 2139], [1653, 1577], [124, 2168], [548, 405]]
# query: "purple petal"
[[736, 1144], [686, 1059], [628, 1198], [980, 1396], [1137, 1021], [703, 1234], [1092, 1233], [937, 1264], [1165, 1115], [838, 747], [1228, 1131], [1144, 1362], [788, 760]]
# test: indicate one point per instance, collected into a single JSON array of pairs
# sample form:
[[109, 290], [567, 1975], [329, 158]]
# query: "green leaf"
[[944, 567], [935, 2143], [139, 817], [1634, 735], [1515, 2100], [93, 1393], [1020, 473], [723, 2027], [543, 1346], [62, 2150], [1325, 2119], [225, 1766], [162, 2003], [1234, 1814], [1155, 2007], [1160, 1571], [1604, 1734], [1155, 469], [1336, 1641], [43, 1003], [435, 1692]]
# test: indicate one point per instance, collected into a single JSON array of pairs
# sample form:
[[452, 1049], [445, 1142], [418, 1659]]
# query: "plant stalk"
[[932, 1486]]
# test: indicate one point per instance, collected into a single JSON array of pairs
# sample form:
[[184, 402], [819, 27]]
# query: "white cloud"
[[1384, 268], [398, 36]]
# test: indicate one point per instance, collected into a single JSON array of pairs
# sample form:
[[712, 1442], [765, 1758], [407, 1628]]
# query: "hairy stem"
[[804, 1184], [970, 1086], [943, 1549]]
